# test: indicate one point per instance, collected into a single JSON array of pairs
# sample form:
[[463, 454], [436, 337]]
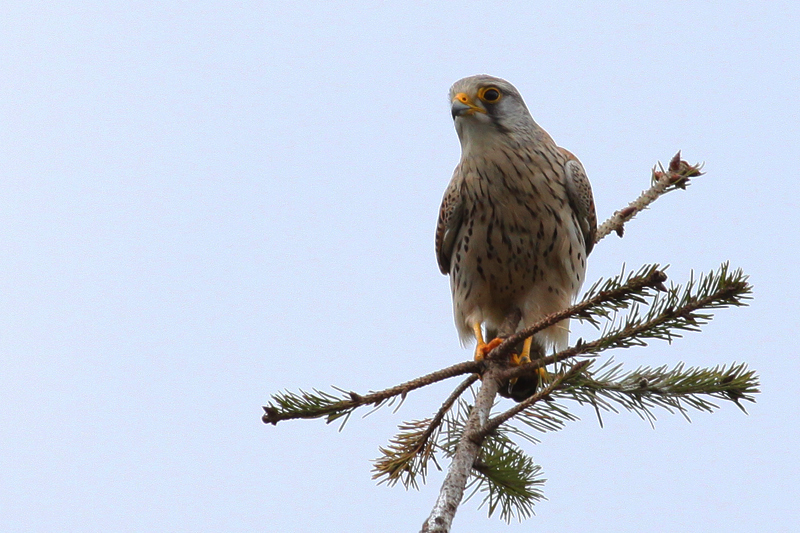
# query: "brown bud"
[[675, 162], [627, 212]]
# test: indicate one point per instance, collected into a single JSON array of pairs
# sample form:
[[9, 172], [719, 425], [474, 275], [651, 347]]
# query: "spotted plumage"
[[517, 221]]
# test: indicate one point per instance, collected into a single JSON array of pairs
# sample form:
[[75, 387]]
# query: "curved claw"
[[524, 358]]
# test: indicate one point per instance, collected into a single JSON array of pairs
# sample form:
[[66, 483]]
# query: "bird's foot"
[[519, 360], [483, 348]]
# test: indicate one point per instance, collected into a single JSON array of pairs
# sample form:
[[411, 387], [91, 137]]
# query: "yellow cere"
[[463, 98]]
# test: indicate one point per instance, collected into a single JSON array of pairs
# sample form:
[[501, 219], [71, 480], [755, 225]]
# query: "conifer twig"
[[673, 389], [408, 452]]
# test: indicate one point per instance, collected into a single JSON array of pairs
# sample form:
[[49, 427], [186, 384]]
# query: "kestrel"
[[517, 221]]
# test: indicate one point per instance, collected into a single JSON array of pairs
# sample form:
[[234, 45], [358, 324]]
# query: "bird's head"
[[484, 107]]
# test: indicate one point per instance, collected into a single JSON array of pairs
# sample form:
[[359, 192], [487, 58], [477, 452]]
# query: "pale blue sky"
[[205, 203]]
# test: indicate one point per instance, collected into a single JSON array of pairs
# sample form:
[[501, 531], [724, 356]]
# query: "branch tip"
[[270, 416]]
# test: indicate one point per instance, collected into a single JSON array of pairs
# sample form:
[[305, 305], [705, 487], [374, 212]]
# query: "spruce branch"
[[557, 382], [675, 390], [318, 404], [679, 309], [510, 479], [676, 176], [407, 454], [603, 298], [631, 309], [488, 460]]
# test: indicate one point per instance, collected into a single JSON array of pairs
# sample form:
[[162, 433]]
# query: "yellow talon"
[[526, 351], [517, 360], [524, 358], [483, 348]]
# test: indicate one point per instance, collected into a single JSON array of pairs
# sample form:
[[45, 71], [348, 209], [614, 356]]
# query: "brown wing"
[[579, 191], [450, 214]]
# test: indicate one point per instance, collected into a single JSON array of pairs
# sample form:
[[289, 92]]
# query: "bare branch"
[[676, 177], [452, 490]]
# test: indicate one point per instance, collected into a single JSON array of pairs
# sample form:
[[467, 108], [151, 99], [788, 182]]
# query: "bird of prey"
[[517, 220]]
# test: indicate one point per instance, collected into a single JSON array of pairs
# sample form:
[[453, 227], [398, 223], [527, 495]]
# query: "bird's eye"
[[489, 94]]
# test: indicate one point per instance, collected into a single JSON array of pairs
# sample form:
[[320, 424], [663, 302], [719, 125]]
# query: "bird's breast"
[[517, 230]]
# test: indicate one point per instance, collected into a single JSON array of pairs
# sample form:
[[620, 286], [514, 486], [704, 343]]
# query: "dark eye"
[[490, 95]]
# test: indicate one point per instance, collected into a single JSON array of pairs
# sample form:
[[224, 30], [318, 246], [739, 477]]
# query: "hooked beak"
[[464, 106]]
